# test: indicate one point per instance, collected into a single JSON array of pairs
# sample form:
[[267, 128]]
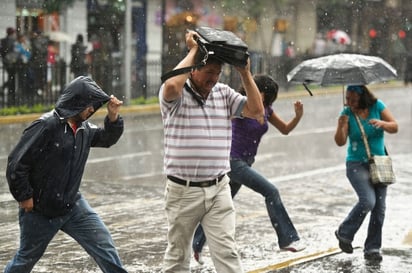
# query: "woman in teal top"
[[355, 151], [376, 119]]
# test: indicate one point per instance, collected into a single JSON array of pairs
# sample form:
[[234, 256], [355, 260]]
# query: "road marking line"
[[298, 260], [308, 173], [109, 158], [303, 132], [137, 176], [408, 238]]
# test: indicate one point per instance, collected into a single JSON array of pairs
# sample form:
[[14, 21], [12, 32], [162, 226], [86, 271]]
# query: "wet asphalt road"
[[125, 186]]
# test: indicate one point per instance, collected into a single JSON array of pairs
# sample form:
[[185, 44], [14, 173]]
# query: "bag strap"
[[187, 69], [194, 95], [178, 71], [365, 140]]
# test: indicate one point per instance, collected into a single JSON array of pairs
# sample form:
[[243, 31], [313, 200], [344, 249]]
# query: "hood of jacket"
[[78, 95]]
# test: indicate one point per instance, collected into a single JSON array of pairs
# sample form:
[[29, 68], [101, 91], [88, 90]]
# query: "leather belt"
[[201, 184]]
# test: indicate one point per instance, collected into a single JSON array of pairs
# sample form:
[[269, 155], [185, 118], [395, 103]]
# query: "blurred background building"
[[280, 34]]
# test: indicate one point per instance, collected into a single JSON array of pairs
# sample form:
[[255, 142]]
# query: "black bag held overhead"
[[222, 44]]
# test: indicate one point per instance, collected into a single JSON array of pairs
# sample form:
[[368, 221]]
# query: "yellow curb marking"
[[408, 238], [298, 260]]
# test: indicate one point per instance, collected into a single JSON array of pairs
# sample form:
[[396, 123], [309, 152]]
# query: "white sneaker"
[[198, 257], [295, 246]]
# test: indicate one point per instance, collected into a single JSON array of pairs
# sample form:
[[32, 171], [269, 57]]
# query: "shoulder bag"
[[380, 166]]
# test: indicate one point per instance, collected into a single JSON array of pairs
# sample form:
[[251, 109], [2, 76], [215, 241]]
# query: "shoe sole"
[[373, 258], [291, 249]]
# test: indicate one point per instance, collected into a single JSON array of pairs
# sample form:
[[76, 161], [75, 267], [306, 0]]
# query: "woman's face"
[[262, 95], [352, 99]]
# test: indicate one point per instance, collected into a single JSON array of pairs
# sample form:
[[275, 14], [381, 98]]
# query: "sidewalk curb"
[[133, 109], [155, 108]]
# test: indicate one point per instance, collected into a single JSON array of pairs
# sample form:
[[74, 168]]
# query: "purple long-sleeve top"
[[246, 136]]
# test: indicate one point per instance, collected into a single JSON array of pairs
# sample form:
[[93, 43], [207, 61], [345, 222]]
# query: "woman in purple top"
[[246, 136]]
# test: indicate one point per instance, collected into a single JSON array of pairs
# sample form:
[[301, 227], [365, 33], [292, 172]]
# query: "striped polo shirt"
[[197, 138]]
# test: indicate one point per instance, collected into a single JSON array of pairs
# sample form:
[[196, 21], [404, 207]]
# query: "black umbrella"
[[345, 69]]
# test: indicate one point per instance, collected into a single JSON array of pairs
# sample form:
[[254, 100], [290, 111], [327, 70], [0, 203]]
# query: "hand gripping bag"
[[221, 44]]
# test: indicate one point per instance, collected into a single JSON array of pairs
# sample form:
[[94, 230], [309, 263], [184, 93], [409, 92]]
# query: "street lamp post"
[[127, 52]]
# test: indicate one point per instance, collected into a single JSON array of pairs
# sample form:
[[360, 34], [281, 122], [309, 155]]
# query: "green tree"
[[249, 8], [112, 6], [51, 6]]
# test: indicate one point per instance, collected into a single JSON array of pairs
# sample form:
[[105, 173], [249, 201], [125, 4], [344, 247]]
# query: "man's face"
[[206, 77], [85, 114]]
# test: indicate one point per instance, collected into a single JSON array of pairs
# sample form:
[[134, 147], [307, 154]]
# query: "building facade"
[[279, 33]]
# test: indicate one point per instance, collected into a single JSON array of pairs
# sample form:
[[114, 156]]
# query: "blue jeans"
[[242, 174], [371, 198], [81, 223]]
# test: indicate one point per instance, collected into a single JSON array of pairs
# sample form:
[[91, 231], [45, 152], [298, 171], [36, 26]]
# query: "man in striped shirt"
[[197, 111]]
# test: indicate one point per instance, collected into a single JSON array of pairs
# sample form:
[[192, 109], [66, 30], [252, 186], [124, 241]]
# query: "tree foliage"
[[51, 6], [251, 8], [112, 6]]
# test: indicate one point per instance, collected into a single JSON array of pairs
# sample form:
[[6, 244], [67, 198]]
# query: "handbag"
[[221, 44], [380, 166]]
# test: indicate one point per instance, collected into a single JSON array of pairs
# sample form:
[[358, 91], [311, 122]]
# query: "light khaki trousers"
[[212, 207]]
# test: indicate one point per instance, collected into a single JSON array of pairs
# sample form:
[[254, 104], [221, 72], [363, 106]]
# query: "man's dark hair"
[[79, 38]]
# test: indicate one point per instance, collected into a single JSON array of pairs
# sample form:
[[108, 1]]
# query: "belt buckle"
[[214, 181]]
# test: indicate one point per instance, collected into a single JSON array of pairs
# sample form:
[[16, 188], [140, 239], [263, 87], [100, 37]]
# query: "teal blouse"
[[356, 149]]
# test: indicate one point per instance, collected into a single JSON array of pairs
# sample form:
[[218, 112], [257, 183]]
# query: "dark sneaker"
[[373, 257], [343, 245], [295, 246]]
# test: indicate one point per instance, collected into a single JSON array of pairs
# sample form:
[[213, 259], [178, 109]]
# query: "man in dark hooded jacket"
[[44, 173]]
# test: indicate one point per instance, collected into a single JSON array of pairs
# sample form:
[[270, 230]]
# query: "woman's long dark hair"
[[266, 85], [366, 98]]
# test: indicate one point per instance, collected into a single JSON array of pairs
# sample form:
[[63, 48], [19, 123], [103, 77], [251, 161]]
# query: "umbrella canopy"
[[59, 36], [339, 36], [346, 69]]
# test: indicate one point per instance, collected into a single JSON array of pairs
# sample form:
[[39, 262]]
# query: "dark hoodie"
[[48, 162]]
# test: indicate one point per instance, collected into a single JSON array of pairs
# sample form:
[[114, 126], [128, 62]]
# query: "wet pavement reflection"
[[125, 185]]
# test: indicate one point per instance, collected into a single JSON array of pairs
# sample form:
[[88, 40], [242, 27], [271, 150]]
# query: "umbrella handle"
[[307, 89]]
